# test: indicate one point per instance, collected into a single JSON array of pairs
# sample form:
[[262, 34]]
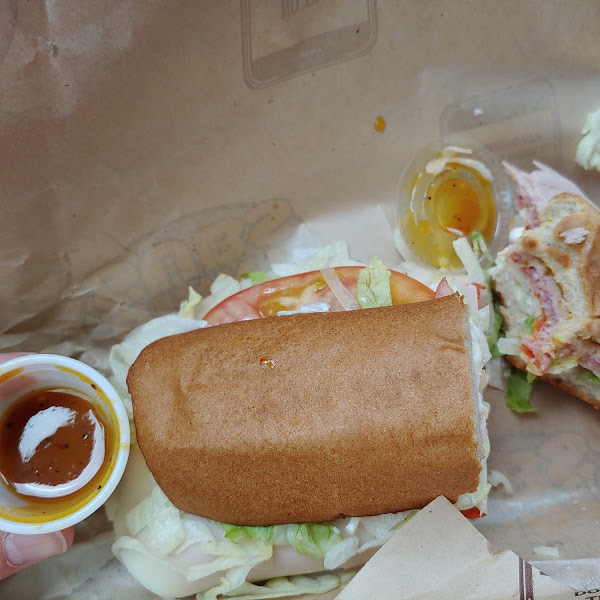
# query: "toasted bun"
[[568, 242], [569, 381], [306, 418]]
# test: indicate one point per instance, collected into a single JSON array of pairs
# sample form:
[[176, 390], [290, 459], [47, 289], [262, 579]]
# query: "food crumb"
[[379, 124], [550, 551], [267, 362]]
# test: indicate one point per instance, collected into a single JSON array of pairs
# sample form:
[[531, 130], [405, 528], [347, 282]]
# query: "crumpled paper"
[[439, 554]]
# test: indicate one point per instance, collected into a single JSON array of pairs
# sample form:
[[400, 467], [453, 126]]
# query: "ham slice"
[[534, 190], [539, 345], [591, 362]]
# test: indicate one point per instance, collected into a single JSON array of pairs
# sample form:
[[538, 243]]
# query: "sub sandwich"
[[276, 453], [548, 284]]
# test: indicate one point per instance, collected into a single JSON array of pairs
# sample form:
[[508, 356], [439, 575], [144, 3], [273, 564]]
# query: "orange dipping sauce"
[[54, 446], [449, 198]]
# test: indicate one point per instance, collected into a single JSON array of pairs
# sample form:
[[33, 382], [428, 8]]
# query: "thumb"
[[18, 551]]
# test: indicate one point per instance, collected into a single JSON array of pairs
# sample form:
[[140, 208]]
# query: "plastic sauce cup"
[[34, 376], [449, 189]]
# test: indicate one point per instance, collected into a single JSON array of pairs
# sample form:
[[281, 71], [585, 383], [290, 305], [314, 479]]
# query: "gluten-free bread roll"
[[309, 417]]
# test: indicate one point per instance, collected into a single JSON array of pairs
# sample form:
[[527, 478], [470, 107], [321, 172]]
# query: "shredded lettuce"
[[186, 308], [518, 391], [510, 346], [222, 287], [361, 533], [466, 501], [161, 521], [172, 553], [167, 549], [373, 288], [589, 376], [256, 277], [480, 247], [495, 331], [312, 539], [560, 365], [236, 532], [528, 329], [284, 587], [170, 575], [336, 542]]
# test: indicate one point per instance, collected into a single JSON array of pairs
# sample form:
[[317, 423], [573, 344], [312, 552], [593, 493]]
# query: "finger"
[[10, 355], [19, 551], [14, 385]]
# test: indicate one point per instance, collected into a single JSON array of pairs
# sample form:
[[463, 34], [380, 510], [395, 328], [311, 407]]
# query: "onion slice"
[[340, 291], [469, 260]]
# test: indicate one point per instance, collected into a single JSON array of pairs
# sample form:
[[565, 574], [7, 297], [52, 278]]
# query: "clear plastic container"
[[449, 189], [23, 377]]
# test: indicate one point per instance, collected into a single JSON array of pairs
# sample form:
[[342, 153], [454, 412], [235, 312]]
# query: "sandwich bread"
[[307, 418]]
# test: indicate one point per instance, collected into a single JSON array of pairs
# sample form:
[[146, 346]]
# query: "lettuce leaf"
[[373, 287], [589, 376], [312, 539], [518, 391], [466, 501], [284, 587], [480, 247], [170, 576], [164, 529], [495, 332], [236, 532], [528, 329], [256, 277], [186, 308]]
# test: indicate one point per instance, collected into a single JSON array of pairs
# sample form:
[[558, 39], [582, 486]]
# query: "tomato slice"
[[473, 513], [290, 293]]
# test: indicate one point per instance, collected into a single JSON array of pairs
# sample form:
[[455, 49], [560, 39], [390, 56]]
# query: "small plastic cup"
[[412, 198], [48, 372]]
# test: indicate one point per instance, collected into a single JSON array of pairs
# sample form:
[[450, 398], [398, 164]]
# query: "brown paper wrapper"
[[148, 146], [438, 554]]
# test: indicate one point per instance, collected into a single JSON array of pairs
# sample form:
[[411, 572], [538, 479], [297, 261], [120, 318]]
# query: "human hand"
[[19, 551]]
